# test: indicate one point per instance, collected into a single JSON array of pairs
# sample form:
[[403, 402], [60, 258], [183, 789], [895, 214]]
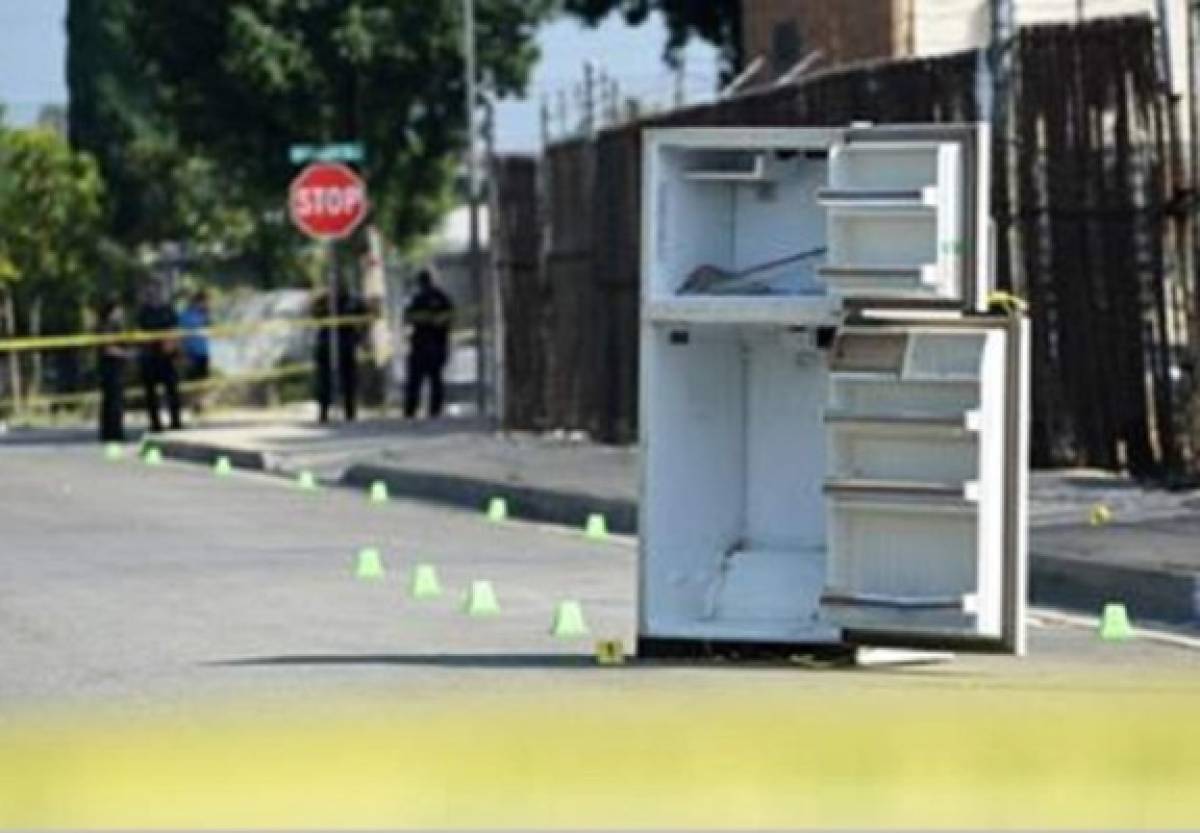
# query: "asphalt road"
[[178, 651], [124, 583], [128, 584]]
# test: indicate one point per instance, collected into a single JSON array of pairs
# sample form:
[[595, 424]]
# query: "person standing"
[[195, 319], [429, 315], [113, 356], [158, 356], [348, 337]]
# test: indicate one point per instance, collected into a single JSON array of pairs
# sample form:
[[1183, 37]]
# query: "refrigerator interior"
[[793, 489], [736, 464], [736, 212], [786, 490]]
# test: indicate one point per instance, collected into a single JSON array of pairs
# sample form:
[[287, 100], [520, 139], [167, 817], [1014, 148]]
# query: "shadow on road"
[[933, 669], [45, 437], [510, 661]]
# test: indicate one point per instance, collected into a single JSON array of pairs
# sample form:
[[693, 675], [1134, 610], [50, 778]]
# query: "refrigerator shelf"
[[919, 275], [967, 422], [796, 310], [836, 597], [892, 503], [875, 200], [729, 167], [872, 376], [902, 489]]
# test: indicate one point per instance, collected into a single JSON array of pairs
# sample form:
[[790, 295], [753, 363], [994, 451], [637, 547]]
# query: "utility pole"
[[1168, 45], [333, 311], [1000, 56], [1000, 65], [681, 83], [589, 98], [481, 398], [496, 365]]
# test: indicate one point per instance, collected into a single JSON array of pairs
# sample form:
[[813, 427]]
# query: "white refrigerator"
[[834, 412]]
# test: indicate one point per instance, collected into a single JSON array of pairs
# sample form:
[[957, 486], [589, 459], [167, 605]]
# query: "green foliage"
[[181, 195], [241, 81], [50, 215], [717, 21], [158, 189]]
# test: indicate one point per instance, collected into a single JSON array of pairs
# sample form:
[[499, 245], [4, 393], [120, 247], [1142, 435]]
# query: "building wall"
[[849, 31], [845, 31], [1057, 11], [942, 26], [952, 25]]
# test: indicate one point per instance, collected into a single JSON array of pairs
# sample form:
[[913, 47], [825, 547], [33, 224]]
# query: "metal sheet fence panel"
[[516, 257], [1104, 256]]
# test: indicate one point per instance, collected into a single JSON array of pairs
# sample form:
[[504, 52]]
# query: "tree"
[[717, 21], [50, 222], [50, 213], [241, 81], [157, 189]]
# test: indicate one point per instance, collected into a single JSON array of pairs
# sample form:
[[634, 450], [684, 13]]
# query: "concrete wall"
[[941, 26]]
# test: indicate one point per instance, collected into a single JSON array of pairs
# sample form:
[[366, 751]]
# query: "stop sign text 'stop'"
[[327, 201]]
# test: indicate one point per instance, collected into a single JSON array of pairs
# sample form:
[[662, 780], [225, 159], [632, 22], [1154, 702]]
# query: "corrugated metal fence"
[[1091, 207], [1099, 235]]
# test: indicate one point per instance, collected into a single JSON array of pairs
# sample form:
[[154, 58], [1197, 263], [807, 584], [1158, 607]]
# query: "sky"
[[632, 57], [33, 56]]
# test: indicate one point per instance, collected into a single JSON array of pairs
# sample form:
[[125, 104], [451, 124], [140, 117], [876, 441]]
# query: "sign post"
[[343, 152], [328, 201]]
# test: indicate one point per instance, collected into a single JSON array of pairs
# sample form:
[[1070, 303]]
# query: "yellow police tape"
[[615, 753], [63, 342], [136, 392], [41, 402]]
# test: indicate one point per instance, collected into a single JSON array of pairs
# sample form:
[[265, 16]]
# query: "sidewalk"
[[1148, 557]]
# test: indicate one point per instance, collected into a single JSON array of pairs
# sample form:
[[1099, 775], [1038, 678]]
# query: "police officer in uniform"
[[348, 337], [158, 357], [113, 356], [429, 314]]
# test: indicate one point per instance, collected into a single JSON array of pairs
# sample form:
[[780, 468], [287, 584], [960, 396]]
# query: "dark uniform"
[[348, 337], [112, 380], [158, 363], [430, 314]]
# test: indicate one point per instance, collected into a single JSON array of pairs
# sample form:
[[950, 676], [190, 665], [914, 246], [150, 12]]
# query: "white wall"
[[941, 26]]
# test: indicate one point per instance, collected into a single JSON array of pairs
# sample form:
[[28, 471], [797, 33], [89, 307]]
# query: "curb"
[[528, 503], [207, 454], [1167, 596]]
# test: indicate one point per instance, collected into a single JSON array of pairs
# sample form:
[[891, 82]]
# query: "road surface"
[[161, 625]]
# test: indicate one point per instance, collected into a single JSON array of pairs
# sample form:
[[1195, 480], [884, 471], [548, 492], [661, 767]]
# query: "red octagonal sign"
[[327, 201]]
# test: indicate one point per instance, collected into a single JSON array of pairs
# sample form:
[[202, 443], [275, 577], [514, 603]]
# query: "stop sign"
[[327, 201]]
